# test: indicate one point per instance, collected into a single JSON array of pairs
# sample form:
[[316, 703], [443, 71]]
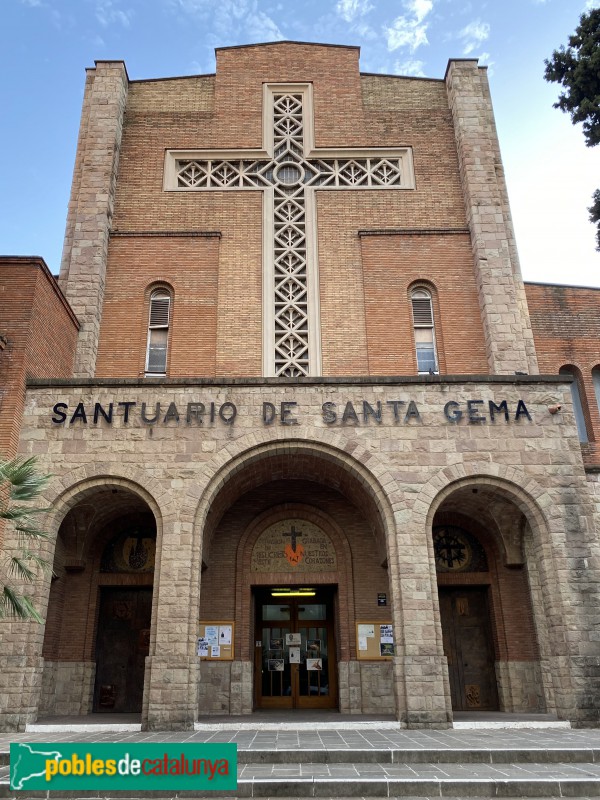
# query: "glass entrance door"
[[295, 651]]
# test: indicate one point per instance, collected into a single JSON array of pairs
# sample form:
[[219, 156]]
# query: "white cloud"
[[409, 30], [420, 8], [32, 3], [410, 67], [349, 10], [231, 20], [365, 31], [108, 13], [473, 34]]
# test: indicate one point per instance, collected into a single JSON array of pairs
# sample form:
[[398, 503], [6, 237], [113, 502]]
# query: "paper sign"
[[387, 634], [211, 634], [215, 651], [294, 654], [362, 643], [225, 634], [314, 664], [366, 630], [293, 638], [202, 647]]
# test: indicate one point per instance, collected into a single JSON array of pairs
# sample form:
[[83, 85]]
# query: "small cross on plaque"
[[294, 534]]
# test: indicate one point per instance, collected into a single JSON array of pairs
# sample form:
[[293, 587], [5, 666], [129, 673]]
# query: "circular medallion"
[[289, 173], [452, 550]]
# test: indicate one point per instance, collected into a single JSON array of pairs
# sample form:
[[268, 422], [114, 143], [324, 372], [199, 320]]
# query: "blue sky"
[[45, 46]]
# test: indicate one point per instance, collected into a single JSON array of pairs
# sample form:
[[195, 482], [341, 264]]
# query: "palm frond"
[[13, 604], [20, 482], [18, 567], [26, 531], [23, 478]]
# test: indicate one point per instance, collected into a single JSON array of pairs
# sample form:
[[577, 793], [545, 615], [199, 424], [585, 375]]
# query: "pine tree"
[[577, 68]]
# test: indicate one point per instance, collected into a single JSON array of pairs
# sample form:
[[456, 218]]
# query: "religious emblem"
[[293, 544], [289, 169], [452, 550], [294, 552]]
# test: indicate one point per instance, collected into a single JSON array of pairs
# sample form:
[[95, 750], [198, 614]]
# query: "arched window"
[[576, 399], [596, 379], [424, 330], [158, 332]]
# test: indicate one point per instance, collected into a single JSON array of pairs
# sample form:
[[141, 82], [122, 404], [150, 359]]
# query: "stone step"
[[423, 755], [534, 780]]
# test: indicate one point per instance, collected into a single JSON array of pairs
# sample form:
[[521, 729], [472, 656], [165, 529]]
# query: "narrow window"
[[576, 399], [596, 379], [422, 310], [158, 333]]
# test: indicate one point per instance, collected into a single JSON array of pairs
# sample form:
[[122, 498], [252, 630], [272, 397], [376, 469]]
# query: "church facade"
[[320, 447]]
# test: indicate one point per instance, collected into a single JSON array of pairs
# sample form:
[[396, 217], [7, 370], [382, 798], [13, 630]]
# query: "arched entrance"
[[98, 623], [486, 611], [281, 538]]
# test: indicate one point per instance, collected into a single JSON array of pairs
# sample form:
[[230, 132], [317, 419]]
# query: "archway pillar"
[[20, 688], [172, 672], [21, 641], [420, 668], [171, 693]]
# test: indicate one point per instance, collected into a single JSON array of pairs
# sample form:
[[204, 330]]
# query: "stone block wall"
[[405, 465], [67, 688]]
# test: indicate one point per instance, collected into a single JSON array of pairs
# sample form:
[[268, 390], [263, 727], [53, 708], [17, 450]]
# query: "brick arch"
[[363, 465], [84, 480], [342, 576]]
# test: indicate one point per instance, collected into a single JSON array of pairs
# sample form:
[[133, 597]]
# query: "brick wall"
[[391, 265], [356, 278], [566, 329], [41, 332]]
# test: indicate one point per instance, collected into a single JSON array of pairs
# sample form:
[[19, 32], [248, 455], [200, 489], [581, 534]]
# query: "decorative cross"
[[450, 550], [288, 170], [294, 534]]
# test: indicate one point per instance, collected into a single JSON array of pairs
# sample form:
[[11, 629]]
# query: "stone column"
[[89, 219], [173, 669], [420, 667], [509, 339]]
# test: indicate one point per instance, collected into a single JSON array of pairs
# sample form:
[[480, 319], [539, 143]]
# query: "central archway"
[[301, 485]]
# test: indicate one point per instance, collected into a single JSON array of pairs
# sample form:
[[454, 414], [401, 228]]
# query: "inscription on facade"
[[293, 545], [287, 412]]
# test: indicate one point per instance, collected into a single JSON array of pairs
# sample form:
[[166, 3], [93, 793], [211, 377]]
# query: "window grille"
[[158, 333], [424, 331]]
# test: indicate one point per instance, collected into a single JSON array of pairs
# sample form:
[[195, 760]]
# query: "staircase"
[[386, 763]]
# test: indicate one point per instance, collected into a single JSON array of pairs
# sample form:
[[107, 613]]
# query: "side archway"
[[108, 533], [511, 606]]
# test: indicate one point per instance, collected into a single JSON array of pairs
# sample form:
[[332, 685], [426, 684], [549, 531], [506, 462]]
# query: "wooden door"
[[469, 649], [122, 644], [310, 682]]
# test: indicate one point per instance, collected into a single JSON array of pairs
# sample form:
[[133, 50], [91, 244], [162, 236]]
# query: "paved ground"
[[314, 739]]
